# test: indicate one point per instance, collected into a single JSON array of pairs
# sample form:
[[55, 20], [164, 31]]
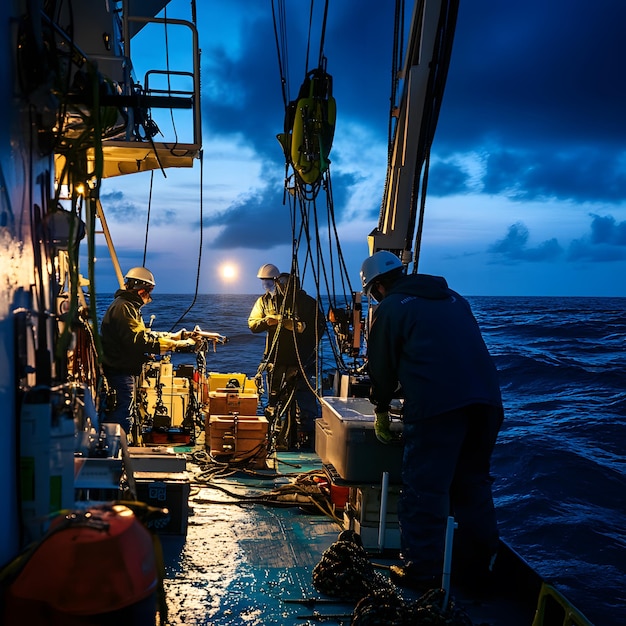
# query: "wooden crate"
[[237, 437], [227, 401]]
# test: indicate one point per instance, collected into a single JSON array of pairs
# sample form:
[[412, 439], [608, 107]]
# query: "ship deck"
[[248, 562]]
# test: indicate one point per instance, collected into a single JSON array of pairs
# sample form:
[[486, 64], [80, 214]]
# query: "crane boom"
[[424, 76]]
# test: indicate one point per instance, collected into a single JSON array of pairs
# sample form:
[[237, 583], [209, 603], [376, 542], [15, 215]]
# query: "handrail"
[[553, 607], [126, 20], [151, 90]]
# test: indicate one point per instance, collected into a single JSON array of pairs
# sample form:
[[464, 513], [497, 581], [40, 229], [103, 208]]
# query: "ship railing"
[[175, 98], [162, 89]]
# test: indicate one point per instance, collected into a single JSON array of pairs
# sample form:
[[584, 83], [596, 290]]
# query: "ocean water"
[[560, 461]]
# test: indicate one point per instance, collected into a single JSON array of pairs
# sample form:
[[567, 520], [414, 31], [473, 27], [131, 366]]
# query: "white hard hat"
[[376, 265], [140, 276], [268, 271]]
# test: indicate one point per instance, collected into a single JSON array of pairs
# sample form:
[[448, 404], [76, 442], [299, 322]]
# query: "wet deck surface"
[[251, 564], [240, 562]]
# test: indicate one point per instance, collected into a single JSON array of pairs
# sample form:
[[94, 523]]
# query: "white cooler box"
[[345, 439]]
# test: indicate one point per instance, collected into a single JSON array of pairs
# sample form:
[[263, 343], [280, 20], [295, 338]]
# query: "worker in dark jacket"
[[295, 325], [425, 339], [127, 344], [296, 352]]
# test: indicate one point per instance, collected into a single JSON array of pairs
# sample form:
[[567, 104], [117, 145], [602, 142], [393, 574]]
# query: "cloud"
[[514, 247], [519, 100], [584, 174], [606, 241], [259, 221], [545, 111], [242, 98], [447, 179], [530, 126], [605, 230], [120, 209], [528, 81]]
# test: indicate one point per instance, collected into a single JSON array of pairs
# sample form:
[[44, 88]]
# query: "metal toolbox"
[[345, 439], [97, 473], [218, 380]]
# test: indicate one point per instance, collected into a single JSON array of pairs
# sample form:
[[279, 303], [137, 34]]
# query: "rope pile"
[[345, 570], [382, 607], [386, 608]]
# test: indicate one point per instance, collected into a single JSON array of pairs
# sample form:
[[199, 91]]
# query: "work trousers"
[[122, 414], [281, 382], [445, 471]]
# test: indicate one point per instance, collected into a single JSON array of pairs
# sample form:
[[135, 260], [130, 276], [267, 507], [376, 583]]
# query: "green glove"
[[381, 427]]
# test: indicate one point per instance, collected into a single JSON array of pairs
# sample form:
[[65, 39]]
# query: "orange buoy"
[[89, 563]]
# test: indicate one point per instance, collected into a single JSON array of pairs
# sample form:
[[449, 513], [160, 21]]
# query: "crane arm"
[[424, 76]]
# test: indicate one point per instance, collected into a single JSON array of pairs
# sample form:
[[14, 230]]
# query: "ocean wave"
[[559, 468]]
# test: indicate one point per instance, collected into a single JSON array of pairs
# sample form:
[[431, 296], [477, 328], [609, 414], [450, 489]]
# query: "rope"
[[386, 608], [145, 244], [324, 271], [281, 49], [308, 41], [201, 229], [396, 64], [345, 570], [326, 259], [169, 77], [83, 364], [306, 490], [383, 607], [422, 212], [323, 35]]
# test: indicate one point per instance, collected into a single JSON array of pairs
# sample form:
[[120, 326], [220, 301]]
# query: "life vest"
[[89, 563], [310, 127]]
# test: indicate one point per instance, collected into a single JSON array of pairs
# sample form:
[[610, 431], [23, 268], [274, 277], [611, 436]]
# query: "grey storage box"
[[362, 515], [345, 439]]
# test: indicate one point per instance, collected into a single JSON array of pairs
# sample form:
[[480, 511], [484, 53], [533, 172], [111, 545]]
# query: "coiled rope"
[[345, 571], [384, 607]]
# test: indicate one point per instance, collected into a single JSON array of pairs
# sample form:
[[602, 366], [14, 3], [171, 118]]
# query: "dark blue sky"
[[527, 180]]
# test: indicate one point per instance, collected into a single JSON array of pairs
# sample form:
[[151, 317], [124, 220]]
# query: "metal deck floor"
[[240, 562], [250, 564]]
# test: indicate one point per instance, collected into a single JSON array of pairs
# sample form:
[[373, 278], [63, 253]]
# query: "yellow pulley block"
[[310, 127]]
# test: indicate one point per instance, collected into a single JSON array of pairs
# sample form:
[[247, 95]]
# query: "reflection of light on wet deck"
[[238, 563], [208, 565]]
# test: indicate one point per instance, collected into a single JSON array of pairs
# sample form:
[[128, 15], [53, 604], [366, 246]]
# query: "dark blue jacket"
[[425, 337]]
